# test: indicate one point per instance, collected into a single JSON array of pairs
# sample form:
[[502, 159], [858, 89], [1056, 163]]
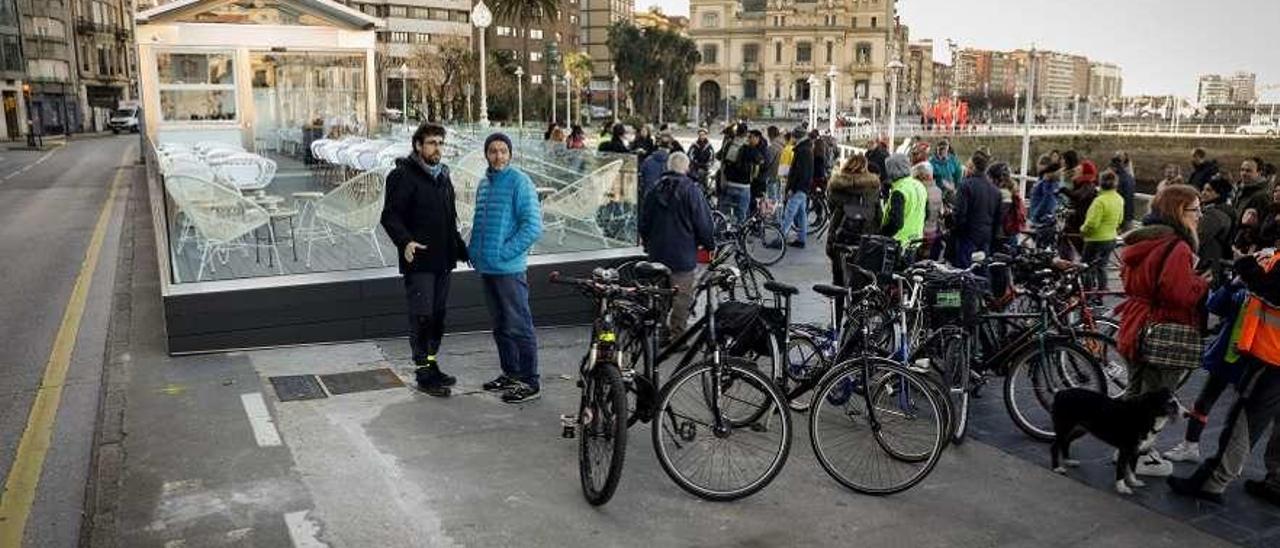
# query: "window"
[[777, 52], [855, 22], [573, 19], [104, 61], [46, 27], [751, 53], [460, 17], [830, 52], [804, 52], [11, 51], [710, 20], [777, 89], [369, 9], [420, 13], [196, 86], [421, 38], [48, 69], [873, 22], [535, 34], [535, 79], [709, 53], [504, 31], [535, 56], [397, 11], [558, 38], [863, 53], [749, 89], [400, 37]]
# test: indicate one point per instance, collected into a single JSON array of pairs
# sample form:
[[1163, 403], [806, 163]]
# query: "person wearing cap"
[[506, 224], [652, 167], [421, 217], [977, 212], [1217, 226], [905, 213], [1083, 176], [701, 154]]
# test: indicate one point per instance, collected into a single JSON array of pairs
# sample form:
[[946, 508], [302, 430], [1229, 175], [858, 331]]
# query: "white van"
[[124, 119]]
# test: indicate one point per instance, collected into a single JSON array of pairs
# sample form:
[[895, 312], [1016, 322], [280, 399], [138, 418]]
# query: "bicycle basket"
[[744, 327], [879, 254], [952, 299]]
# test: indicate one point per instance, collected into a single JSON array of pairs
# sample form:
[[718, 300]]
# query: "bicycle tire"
[[754, 241], [816, 214], [604, 406], [690, 431], [1036, 421], [826, 450], [1114, 365], [956, 352]]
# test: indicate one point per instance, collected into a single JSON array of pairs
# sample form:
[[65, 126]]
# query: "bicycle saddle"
[[781, 288], [645, 269], [831, 291]]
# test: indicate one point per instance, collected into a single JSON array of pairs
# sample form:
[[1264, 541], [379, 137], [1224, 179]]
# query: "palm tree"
[[578, 63], [524, 14]]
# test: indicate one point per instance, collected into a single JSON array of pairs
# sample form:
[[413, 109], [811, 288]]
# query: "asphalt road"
[[50, 202]]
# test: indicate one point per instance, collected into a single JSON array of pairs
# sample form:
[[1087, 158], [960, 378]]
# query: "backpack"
[[860, 215], [1015, 218]]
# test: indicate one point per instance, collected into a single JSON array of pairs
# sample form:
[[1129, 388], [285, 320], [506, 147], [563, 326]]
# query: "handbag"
[[1170, 345]]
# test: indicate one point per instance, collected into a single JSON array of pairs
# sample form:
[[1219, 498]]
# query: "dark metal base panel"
[[352, 310]]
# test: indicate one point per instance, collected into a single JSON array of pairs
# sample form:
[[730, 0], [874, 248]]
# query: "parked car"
[[1257, 128], [598, 112], [124, 119]]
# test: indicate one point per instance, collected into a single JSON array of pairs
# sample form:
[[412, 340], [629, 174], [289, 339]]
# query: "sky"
[[1162, 46]]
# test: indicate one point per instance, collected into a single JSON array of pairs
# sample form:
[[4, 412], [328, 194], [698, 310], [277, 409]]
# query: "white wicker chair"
[[355, 207], [244, 171], [222, 219]]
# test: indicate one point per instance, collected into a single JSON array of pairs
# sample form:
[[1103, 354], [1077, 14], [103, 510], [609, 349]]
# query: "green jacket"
[[1103, 220], [915, 199]]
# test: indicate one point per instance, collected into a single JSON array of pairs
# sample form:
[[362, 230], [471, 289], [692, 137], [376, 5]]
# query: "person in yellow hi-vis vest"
[[1259, 403]]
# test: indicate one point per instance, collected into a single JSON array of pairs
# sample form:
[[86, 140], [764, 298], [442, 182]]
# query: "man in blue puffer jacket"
[[507, 223]]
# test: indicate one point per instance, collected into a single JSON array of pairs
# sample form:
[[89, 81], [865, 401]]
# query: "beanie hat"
[[498, 136], [1222, 186]]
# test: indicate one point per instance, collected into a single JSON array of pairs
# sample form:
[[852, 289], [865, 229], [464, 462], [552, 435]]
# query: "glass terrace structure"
[[267, 168]]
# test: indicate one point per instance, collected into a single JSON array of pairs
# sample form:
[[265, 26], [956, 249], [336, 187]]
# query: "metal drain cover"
[[298, 387], [360, 381]]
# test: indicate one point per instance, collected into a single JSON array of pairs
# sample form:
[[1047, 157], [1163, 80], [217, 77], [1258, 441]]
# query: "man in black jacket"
[[674, 221], [1202, 168], [799, 181], [615, 144], [977, 212], [420, 216]]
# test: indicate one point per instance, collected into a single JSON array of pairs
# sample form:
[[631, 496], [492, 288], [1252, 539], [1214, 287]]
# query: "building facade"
[[1244, 87], [1213, 90], [48, 45], [596, 16], [653, 18], [1105, 82], [106, 66], [549, 40], [919, 85], [776, 55], [12, 73]]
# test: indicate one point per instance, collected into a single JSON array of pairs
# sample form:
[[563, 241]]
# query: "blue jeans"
[[738, 200], [796, 214], [964, 248], [507, 296]]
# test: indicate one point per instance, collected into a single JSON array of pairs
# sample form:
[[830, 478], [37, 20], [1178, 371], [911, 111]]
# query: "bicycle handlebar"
[[605, 288]]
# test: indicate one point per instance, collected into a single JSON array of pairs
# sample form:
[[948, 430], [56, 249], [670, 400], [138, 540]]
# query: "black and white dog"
[[1127, 425]]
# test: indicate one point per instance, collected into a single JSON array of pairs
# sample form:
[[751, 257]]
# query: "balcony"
[[750, 67]]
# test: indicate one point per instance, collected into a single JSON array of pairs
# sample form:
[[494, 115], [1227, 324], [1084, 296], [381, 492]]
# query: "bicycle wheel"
[[714, 459], [1114, 365], [816, 214], [878, 441], [750, 285], [602, 443], [763, 243], [1037, 373], [956, 353], [805, 362]]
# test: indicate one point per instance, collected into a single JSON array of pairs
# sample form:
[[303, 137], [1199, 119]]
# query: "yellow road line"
[[20, 488]]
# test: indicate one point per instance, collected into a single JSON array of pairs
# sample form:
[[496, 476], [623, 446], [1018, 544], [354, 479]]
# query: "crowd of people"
[[1203, 256]]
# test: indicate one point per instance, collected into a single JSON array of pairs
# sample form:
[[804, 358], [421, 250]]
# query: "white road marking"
[[264, 428], [38, 161], [302, 530]]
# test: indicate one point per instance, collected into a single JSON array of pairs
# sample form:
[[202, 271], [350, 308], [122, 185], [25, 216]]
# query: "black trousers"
[[428, 296]]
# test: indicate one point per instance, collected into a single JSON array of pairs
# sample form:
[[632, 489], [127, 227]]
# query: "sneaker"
[[1188, 488], [443, 378], [1151, 464], [1264, 490], [1185, 451], [430, 380], [521, 393], [500, 384]]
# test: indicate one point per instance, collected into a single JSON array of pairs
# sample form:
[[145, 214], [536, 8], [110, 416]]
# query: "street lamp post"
[[568, 96], [813, 105], [1075, 109], [1026, 123], [520, 99], [404, 96], [831, 121], [615, 97], [894, 67], [468, 89], [553, 98], [1016, 95], [661, 84], [481, 17]]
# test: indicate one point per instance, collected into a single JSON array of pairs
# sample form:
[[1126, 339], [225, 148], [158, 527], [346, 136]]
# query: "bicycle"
[[730, 404]]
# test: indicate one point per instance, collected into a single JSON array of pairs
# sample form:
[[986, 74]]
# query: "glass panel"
[[195, 68], [182, 105]]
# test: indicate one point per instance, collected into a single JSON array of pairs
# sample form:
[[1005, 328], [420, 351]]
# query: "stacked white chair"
[[222, 218], [354, 208]]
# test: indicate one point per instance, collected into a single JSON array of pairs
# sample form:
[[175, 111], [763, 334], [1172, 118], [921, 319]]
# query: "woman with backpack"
[[853, 196]]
